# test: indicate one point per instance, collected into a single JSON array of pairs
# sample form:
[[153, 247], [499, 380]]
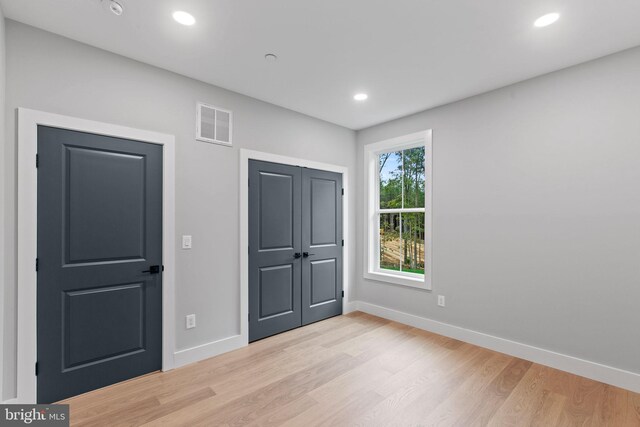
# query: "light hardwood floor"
[[359, 370]]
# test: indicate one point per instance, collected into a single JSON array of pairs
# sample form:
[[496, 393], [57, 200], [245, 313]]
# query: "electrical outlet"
[[440, 300], [186, 242], [191, 321]]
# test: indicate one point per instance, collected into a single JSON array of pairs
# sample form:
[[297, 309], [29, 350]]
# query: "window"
[[398, 205]]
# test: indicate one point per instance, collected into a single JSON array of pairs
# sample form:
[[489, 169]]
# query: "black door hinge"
[[37, 160], [342, 294], [342, 242], [36, 368], [343, 191], [37, 264]]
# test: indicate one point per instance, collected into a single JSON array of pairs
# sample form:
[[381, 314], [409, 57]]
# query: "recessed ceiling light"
[[271, 57], [360, 96], [184, 18], [547, 19]]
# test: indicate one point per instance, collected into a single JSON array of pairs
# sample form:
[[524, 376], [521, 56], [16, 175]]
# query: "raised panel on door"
[[88, 337], [323, 276], [99, 229], [321, 245], [274, 239], [276, 291]]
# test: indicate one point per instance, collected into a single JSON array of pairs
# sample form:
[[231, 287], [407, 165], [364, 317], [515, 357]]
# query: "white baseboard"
[[211, 349], [215, 348], [595, 371], [349, 307]]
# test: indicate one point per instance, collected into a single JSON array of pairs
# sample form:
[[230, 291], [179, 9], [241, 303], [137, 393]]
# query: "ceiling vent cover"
[[213, 124]]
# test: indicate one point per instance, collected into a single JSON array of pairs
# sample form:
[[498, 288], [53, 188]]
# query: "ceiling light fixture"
[[360, 96], [115, 7], [271, 57], [547, 19], [184, 18]]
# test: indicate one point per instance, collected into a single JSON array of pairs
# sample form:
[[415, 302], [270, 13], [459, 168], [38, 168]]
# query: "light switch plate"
[[186, 242]]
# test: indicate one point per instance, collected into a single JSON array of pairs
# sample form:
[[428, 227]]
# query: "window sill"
[[397, 279]]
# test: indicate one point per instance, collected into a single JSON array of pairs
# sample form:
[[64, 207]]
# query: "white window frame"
[[372, 210]]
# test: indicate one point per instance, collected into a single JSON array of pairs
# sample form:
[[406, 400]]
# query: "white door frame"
[[245, 156], [28, 121]]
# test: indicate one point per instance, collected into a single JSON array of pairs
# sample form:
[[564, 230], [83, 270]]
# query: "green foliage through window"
[[402, 186]]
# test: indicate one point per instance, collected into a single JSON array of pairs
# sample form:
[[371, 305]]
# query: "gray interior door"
[[321, 245], [295, 247], [274, 248], [99, 232]]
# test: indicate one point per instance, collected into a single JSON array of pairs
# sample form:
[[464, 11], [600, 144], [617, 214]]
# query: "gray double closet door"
[[295, 247]]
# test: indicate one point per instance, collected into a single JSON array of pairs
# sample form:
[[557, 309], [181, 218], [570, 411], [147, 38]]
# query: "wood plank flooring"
[[359, 370]]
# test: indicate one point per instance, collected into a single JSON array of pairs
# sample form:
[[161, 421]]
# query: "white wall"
[[536, 201], [54, 74], [2, 145]]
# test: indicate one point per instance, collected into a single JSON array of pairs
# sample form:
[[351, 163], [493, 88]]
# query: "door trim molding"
[[28, 121], [245, 156]]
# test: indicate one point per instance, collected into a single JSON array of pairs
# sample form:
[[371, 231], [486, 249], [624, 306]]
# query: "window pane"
[[390, 171], [390, 241], [413, 242], [413, 177]]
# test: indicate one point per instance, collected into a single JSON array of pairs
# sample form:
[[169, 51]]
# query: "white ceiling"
[[408, 55]]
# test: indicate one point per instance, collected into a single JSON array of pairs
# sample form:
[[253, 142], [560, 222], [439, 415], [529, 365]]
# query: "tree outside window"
[[401, 208]]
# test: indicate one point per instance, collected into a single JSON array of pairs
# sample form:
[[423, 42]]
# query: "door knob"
[[296, 255], [154, 269], [306, 254]]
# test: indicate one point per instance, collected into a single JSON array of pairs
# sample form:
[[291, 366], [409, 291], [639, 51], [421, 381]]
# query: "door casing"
[[28, 121], [245, 156]]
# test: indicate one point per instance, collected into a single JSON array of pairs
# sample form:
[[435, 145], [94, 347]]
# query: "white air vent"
[[213, 124]]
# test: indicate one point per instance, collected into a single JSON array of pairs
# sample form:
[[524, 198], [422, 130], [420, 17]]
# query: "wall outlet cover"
[[191, 321]]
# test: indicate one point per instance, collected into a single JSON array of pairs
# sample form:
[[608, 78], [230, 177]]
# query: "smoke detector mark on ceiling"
[[115, 7]]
